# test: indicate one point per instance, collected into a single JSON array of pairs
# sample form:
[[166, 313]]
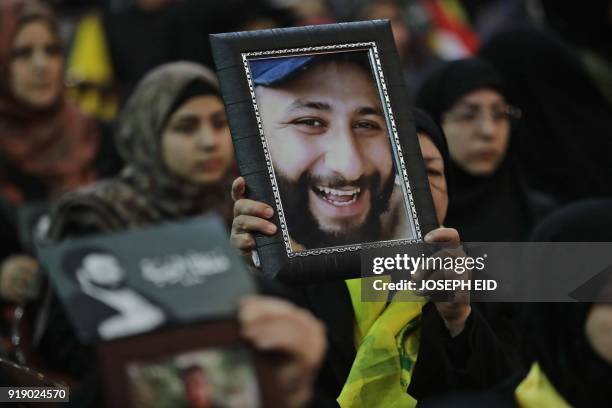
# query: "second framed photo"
[[204, 365], [322, 132]]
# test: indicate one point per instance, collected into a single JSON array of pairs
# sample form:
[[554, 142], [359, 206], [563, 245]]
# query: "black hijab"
[[425, 124], [556, 331], [566, 138], [483, 208]]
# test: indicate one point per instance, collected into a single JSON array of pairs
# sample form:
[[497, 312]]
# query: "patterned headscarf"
[[146, 191], [56, 145]]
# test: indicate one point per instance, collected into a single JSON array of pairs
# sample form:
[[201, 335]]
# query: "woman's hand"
[[249, 217], [456, 311], [273, 324], [17, 274]]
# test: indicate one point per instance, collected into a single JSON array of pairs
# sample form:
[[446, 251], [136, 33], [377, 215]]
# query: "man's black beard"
[[304, 229]]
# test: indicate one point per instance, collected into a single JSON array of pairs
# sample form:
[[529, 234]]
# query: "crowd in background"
[[520, 89]]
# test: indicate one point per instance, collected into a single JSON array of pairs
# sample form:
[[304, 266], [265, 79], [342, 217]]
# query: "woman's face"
[[477, 128], [37, 65], [196, 144], [598, 329], [434, 165]]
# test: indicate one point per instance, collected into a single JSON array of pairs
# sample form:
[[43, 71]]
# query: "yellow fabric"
[[387, 339], [89, 60], [90, 69], [535, 391]]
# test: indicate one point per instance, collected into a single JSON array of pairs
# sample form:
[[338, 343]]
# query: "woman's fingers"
[[273, 324], [238, 188], [243, 241], [443, 235], [250, 224], [244, 206]]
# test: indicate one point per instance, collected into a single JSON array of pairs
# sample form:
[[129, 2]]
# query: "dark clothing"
[[554, 333], [498, 208], [452, 81], [196, 19], [472, 360], [501, 396], [138, 41], [425, 124], [564, 141], [583, 221], [107, 164], [557, 335]]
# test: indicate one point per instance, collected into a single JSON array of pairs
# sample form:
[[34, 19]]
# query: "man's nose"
[[343, 155]]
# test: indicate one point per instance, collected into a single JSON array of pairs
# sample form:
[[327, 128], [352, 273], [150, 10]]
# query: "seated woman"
[[391, 354], [468, 98], [569, 344], [47, 146], [174, 137]]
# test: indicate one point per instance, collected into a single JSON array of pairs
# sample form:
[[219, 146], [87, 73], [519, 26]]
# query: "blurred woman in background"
[[175, 141], [47, 146], [174, 137], [491, 201]]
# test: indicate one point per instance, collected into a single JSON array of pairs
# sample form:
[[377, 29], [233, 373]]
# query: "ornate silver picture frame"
[[322, 132]]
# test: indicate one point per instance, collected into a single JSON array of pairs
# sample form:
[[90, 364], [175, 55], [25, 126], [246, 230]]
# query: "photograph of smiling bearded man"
[[327, 137]]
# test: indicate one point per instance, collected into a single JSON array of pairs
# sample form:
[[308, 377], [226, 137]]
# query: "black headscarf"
[[482, 208], [425, 124], [454, 80], [556, 331], [565, 142]]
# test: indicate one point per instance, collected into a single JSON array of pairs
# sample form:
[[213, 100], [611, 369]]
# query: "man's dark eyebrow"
[[368, 110], [301, 104]]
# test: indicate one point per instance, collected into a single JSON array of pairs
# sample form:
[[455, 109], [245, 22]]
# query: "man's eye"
[[310, 122], [368, 125]]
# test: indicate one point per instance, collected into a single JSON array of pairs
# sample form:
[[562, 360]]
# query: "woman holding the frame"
[[374, 345]]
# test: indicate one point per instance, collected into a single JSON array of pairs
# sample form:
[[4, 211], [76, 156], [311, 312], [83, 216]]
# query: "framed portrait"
[[323, 133], [199, 365]]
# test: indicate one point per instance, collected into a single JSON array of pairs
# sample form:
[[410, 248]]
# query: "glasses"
[[507, 113]]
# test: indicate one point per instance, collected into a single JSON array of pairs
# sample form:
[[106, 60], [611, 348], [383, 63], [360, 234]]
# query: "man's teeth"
[[327, 190], [339, 198]]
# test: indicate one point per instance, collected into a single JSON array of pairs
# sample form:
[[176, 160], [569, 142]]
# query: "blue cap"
[[271, 71]]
